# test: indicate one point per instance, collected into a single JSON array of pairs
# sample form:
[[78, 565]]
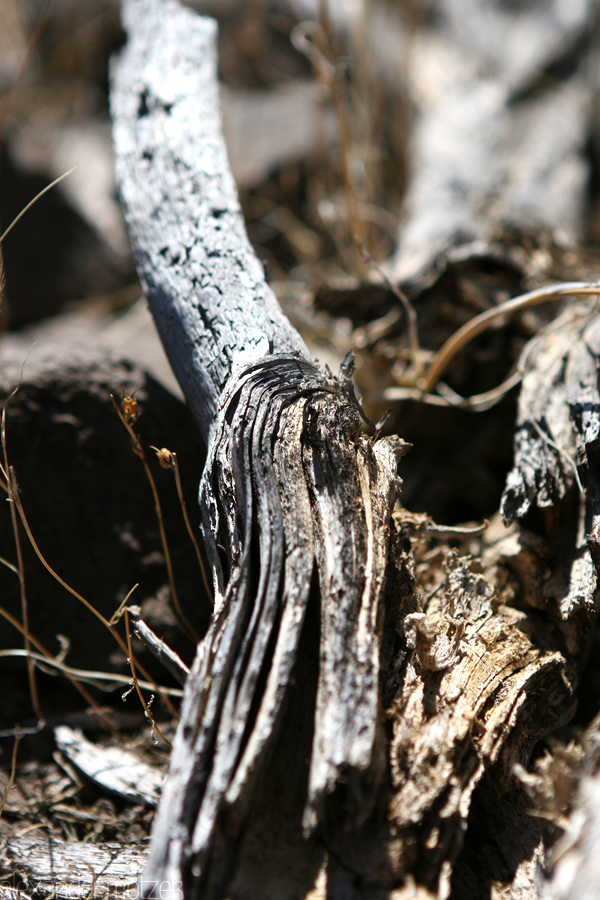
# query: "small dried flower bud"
[[129, 408], [165, 457]]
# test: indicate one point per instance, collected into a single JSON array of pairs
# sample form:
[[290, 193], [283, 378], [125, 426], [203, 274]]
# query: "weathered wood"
[[42, 866], [163, 653], [289, 483], [205, 286], [575, 860], [556, 462], [113, 767], [279, 474], [499, 145], [297, 498]]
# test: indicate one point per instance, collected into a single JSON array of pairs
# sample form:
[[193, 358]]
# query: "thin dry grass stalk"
[[105, 681], [128, 413], [9, 99], [20, 571], [421, 387], [10, 486], [409, 310], [13, 482], [51, 659], [168, 460], [131, 661], [121, 608], [33, 201], [317, 41], [482, 322]]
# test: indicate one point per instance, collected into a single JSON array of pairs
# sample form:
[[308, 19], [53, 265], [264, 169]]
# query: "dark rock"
[[90, 506]]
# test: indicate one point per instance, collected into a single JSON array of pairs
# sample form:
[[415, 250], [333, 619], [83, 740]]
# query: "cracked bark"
[[289, 482], [338, 717]]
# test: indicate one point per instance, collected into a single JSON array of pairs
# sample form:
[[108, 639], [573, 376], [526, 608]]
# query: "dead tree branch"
[[337, 719]]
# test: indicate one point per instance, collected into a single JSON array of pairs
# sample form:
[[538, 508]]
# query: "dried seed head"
[[129, 408], [165, 457]]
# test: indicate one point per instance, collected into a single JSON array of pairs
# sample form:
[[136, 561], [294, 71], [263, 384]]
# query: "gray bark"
[[343, 757], [353, 717], [42, 866], [161, 651], [289, 468], [499, 146], [205, 287], [556, 461]]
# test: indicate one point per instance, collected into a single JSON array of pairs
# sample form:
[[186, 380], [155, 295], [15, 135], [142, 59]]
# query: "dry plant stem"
[[92, 891], [9, 565], [342, 102], [35, 199], [480, 323], [117, 615], [409, 310], [161, 651], [326, 72], [20, 568], [448, 398], [188, 525], [24, 614], [78, 596], [13, 487], [174, 466], [13, 773], [139, 451], [2, 277], [105, 681], [131, 661], [355, 223], [51, 659], [479, 402]]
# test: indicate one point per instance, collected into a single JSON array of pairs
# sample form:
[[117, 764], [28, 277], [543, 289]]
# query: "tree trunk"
[[340, 712]]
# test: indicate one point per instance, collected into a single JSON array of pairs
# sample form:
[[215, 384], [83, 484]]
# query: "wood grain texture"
[[284, 494], [556, 461], [338, 714], [114, 768], [43, 866], [297, 498]]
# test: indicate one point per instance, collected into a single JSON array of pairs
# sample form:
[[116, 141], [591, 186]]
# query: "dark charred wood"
[[288, 487]]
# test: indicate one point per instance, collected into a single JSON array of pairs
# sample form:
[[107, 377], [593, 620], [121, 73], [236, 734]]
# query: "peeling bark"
[[290, 471], [556, 463]]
